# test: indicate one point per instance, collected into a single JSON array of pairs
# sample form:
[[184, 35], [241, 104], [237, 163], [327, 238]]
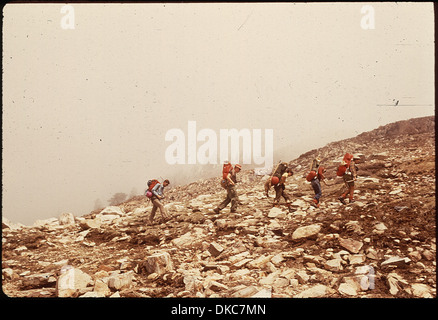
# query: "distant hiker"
[[229, 183], [279, 188], [348, 171], [155, 193]]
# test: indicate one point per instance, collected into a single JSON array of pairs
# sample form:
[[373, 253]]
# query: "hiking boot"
[[342, 200], [315, 203]]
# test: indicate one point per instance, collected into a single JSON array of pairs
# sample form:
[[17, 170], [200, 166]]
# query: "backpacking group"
[[347, 170]]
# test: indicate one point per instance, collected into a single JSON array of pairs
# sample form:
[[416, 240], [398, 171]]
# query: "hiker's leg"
[[154, 209], [232, 194], [351, 191], [267, 187], [224, 203], [163, 212], [278, 193], [285, 196], [318, 190]]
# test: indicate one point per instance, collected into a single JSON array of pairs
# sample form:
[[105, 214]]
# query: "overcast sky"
[[86, 110]]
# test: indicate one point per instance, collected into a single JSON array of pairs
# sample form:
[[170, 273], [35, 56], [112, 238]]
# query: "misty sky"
[[86, 110]]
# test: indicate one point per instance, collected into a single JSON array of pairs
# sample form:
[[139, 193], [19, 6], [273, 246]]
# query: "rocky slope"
[[383, 245]]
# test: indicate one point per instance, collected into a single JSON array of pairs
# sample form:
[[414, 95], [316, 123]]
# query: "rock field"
[[381, 246]]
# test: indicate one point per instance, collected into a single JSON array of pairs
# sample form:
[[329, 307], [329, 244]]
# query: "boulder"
[[159, 263], [421, 290], [71, 281], [306, 231], [347, 289], [317, 291], [112, 210], [276, 213], [39, 280], [215, 249], [351, 245], [117, 282], [90, 224], [66, 219], [333, 265]]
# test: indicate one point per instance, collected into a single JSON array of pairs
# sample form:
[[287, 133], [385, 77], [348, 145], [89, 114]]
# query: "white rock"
[[113, 210], [334, 265], [120, 281], [264, 293], [421, 290], [347, 289], [159, 263], [306, 231], [276, 213], [71, 280], [66, 219], [317, 291]]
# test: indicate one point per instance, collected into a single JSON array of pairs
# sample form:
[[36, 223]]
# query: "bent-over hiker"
[[157, 195], [280, 187]]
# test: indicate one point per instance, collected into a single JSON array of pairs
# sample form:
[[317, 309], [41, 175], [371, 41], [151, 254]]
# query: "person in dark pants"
[[316, 185], [280, 187], [349, 178], [231, 190]]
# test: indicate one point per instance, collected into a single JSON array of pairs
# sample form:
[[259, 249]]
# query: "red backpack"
[[312, 174], [344, 165], [152, 183], [226, 169]]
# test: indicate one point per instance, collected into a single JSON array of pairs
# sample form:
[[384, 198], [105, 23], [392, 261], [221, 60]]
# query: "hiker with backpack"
[[279, 187], [155, 193], [229, 180], [348, 171], [315, 176]]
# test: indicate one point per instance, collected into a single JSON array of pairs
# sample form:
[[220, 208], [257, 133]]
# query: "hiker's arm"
[[154, 191], [353, 170], [229, 179], [283, 179]]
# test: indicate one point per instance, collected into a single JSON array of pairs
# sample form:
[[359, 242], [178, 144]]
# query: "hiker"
[[157, 195], [349, 177], [229, 183], [279, 189], [275, 176], [316, 185], [315, 176]]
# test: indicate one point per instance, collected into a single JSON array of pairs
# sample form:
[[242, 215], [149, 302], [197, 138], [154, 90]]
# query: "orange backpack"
[[344, 165]]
